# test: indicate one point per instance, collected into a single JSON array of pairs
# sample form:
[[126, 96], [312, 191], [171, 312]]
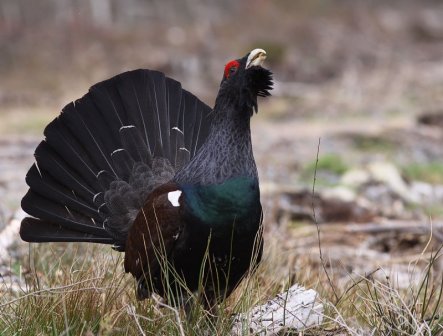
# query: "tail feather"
[[189, 123], [196, 128], [50, 232], [106, 152], [105, 178], [129, 98], [107, 101], [133, 143], [182, 153], [123, 163], [135, 89], [46, 209], [89, 141], [174, 100], [66, 146], [43, 184], [57, 168], [96, 119], [157, 87]]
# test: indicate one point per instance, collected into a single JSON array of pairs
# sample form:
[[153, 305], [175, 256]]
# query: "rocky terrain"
[[349, 148]]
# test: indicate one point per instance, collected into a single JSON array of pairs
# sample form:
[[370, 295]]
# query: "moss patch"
[[431, 172], [329, 168], [370, 143], [332, 163]]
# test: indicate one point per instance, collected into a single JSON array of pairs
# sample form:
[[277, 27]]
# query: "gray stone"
[[295, 309]]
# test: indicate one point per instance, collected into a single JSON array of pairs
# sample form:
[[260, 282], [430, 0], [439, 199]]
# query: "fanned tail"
[[106, 152]]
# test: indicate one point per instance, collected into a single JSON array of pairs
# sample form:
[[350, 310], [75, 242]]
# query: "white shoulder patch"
[[173, 197]]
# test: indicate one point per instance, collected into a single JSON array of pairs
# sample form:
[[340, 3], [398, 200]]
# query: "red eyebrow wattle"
[[229, 65]]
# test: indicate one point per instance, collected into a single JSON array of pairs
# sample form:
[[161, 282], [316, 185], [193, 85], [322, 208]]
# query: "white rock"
[[389, 175], [10, 233], [427, 193], [295, 309], [355, 177], [341, 193]]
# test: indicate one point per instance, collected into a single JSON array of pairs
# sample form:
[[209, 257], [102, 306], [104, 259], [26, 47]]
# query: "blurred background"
[[358, 94]]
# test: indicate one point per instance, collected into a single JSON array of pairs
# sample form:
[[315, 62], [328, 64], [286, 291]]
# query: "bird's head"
[[244, 79]]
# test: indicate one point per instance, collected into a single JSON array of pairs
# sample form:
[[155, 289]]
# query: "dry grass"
[[79, 289], [361, 67], [82, 290]]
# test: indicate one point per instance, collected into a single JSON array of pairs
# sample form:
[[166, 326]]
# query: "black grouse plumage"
[[103, 155], [140, 163]]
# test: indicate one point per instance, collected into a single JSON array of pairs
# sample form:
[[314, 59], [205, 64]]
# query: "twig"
[[131, 311], [316, 223], [356, 283], [177, 315], [400, 226]]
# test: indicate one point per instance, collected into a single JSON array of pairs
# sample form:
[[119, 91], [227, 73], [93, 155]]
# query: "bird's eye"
[[231, 68]]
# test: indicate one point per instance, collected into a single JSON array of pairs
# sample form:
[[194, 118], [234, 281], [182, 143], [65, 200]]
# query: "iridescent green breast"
[[235, 200]]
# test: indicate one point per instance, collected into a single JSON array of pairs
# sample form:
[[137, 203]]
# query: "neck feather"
[[227, 152]]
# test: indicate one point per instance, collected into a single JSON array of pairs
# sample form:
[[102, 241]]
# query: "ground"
[[349, 155]]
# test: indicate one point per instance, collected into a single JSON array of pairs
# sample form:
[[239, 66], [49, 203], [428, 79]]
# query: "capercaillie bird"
[[142, 164]]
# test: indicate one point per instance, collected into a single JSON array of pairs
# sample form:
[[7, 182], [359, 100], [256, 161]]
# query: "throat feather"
[[226, 154]]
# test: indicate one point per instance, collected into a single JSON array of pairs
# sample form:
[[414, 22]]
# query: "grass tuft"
[[431, 172], [81, 289]]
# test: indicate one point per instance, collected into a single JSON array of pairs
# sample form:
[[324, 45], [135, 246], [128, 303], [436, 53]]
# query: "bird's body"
[[140, 163]]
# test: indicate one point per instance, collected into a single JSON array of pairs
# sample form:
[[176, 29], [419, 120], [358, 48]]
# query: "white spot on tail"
[[177, 129], [100, 207], [173, 197], [117, 150], [127, 126], [95, 196], [38, 169]]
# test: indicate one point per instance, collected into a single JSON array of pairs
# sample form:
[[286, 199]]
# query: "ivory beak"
[[256, 57]]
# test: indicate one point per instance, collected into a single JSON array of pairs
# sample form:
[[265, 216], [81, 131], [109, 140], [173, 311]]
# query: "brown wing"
[[155, 229]]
